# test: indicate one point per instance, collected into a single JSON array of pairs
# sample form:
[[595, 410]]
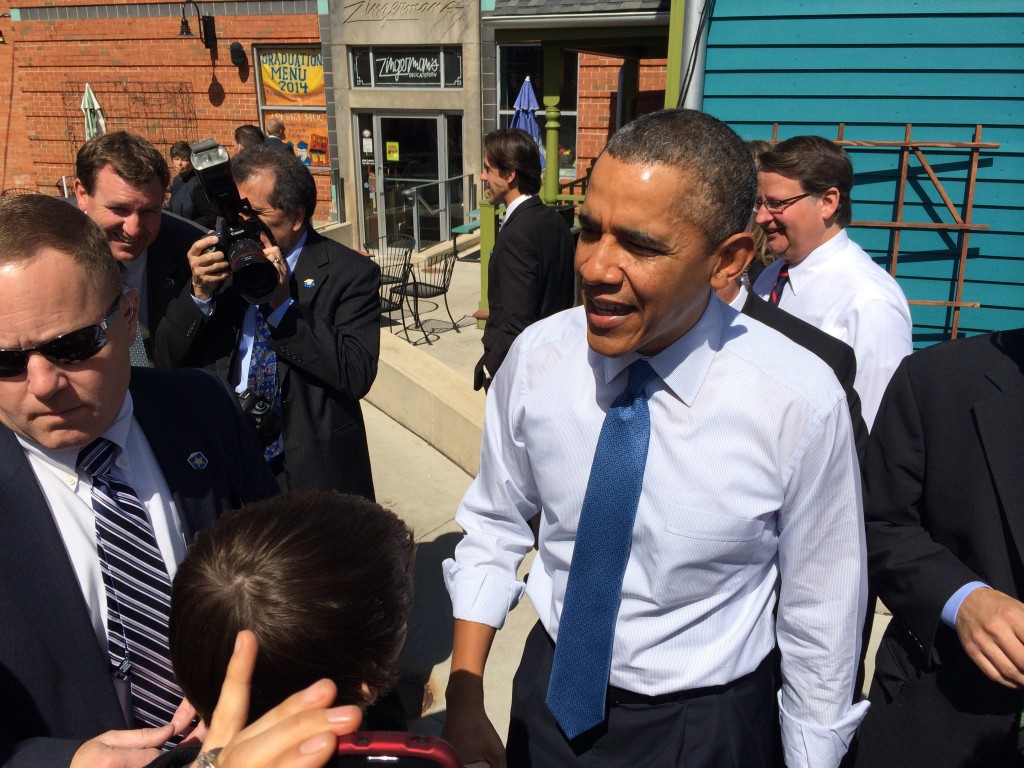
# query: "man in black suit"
[[944, 508], [530, 274], [178, 441], [275, 137], [120, 184], [323, 323]]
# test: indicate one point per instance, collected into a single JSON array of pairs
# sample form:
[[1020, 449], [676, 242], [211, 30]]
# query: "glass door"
[[400, 159]]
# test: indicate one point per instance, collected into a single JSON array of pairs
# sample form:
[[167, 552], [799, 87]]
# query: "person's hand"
[[273, 254], [182, 721], [122, 749], [990, 625], [209, 270], [466, 726], [301, 732]]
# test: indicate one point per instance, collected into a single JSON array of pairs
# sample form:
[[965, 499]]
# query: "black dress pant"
[[726, 726]]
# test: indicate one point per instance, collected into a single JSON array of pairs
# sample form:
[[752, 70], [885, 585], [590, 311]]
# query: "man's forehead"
[[110, 186]]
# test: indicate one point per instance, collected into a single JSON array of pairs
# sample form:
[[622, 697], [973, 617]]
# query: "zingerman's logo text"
[[385, 10], [408, 67]]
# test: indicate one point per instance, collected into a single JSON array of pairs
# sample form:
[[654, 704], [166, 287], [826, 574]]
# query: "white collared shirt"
[[839, 289], [511, 207], [734, 494], [68, 494]]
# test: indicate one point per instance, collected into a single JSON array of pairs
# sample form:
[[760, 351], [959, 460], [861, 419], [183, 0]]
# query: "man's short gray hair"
[[719, 186]]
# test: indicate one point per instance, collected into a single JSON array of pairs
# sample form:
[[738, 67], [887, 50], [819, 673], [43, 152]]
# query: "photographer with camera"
[[290, 319]]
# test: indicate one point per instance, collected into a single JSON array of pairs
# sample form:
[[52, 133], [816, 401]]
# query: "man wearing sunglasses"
[[120, 184], [93, 453], [821, 276]]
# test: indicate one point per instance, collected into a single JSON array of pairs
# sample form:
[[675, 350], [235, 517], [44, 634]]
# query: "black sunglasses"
[[73, 347]]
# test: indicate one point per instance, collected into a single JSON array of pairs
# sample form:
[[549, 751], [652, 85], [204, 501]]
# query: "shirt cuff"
[[275, 317], [811, 745], [952, 606], [206, 307], [480, 594]]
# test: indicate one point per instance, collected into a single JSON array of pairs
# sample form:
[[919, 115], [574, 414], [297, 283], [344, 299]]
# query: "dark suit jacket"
[[327, 347], [944, 505], [167, 269], [530, 276], [838, 354], [55, 681]]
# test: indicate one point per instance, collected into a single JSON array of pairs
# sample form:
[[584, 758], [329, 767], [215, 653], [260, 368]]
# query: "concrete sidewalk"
[[430, 388]]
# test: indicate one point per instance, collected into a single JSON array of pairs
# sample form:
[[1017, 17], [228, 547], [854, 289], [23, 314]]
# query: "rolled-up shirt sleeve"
[[823, 596], [494, 514]]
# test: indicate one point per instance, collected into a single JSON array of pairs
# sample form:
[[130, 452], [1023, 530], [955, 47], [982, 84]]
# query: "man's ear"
[[81, 196], [131, 310], [730, 258], [512, 178], [829, 200], [300, 219]]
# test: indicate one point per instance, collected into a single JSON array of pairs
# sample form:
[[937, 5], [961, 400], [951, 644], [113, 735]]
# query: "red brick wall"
[[597, 101], [147, 79]]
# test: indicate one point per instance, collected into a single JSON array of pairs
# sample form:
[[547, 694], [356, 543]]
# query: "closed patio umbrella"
[[525, 117], [94, 122]]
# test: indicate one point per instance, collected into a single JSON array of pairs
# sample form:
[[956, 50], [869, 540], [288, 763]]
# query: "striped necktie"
[[780, 284], [137, 586], [586, 629]]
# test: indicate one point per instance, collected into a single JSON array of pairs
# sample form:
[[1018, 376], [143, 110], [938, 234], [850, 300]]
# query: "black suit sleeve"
[[337, 349], [518, 272], [912, 573]]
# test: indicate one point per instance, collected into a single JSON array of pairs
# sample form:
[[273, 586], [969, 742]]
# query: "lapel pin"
[[309, 282], [197, 460]]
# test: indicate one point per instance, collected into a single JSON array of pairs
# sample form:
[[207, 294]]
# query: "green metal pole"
[[488, 234], [552, 88], [674, 64]]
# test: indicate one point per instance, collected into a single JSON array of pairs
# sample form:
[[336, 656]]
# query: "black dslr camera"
[[239, 239]]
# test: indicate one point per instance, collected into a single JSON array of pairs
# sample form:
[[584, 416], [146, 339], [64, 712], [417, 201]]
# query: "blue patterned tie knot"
[[586, 628]]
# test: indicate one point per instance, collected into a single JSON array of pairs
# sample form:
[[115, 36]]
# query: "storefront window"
[[290, 86]]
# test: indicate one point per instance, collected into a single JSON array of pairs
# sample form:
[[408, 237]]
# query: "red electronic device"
[[394, 750]]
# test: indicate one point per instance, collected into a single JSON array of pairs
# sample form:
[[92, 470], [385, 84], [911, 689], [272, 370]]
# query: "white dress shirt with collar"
[[510, 208], [839, 289], [751, 472], [68, 493]]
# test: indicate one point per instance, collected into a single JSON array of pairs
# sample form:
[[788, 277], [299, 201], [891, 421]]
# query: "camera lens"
[[253, 274]]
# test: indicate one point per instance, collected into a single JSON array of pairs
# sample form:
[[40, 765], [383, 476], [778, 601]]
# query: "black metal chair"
[[392, 254], [428, 281]]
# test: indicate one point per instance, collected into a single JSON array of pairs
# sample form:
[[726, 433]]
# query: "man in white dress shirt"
[[803, 206], [745, 502]]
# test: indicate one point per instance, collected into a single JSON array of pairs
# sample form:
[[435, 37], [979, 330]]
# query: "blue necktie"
[[583, 653], [137, 586], [263, 377]]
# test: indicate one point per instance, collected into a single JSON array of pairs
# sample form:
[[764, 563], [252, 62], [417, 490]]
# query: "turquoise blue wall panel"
[[876, 65]]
